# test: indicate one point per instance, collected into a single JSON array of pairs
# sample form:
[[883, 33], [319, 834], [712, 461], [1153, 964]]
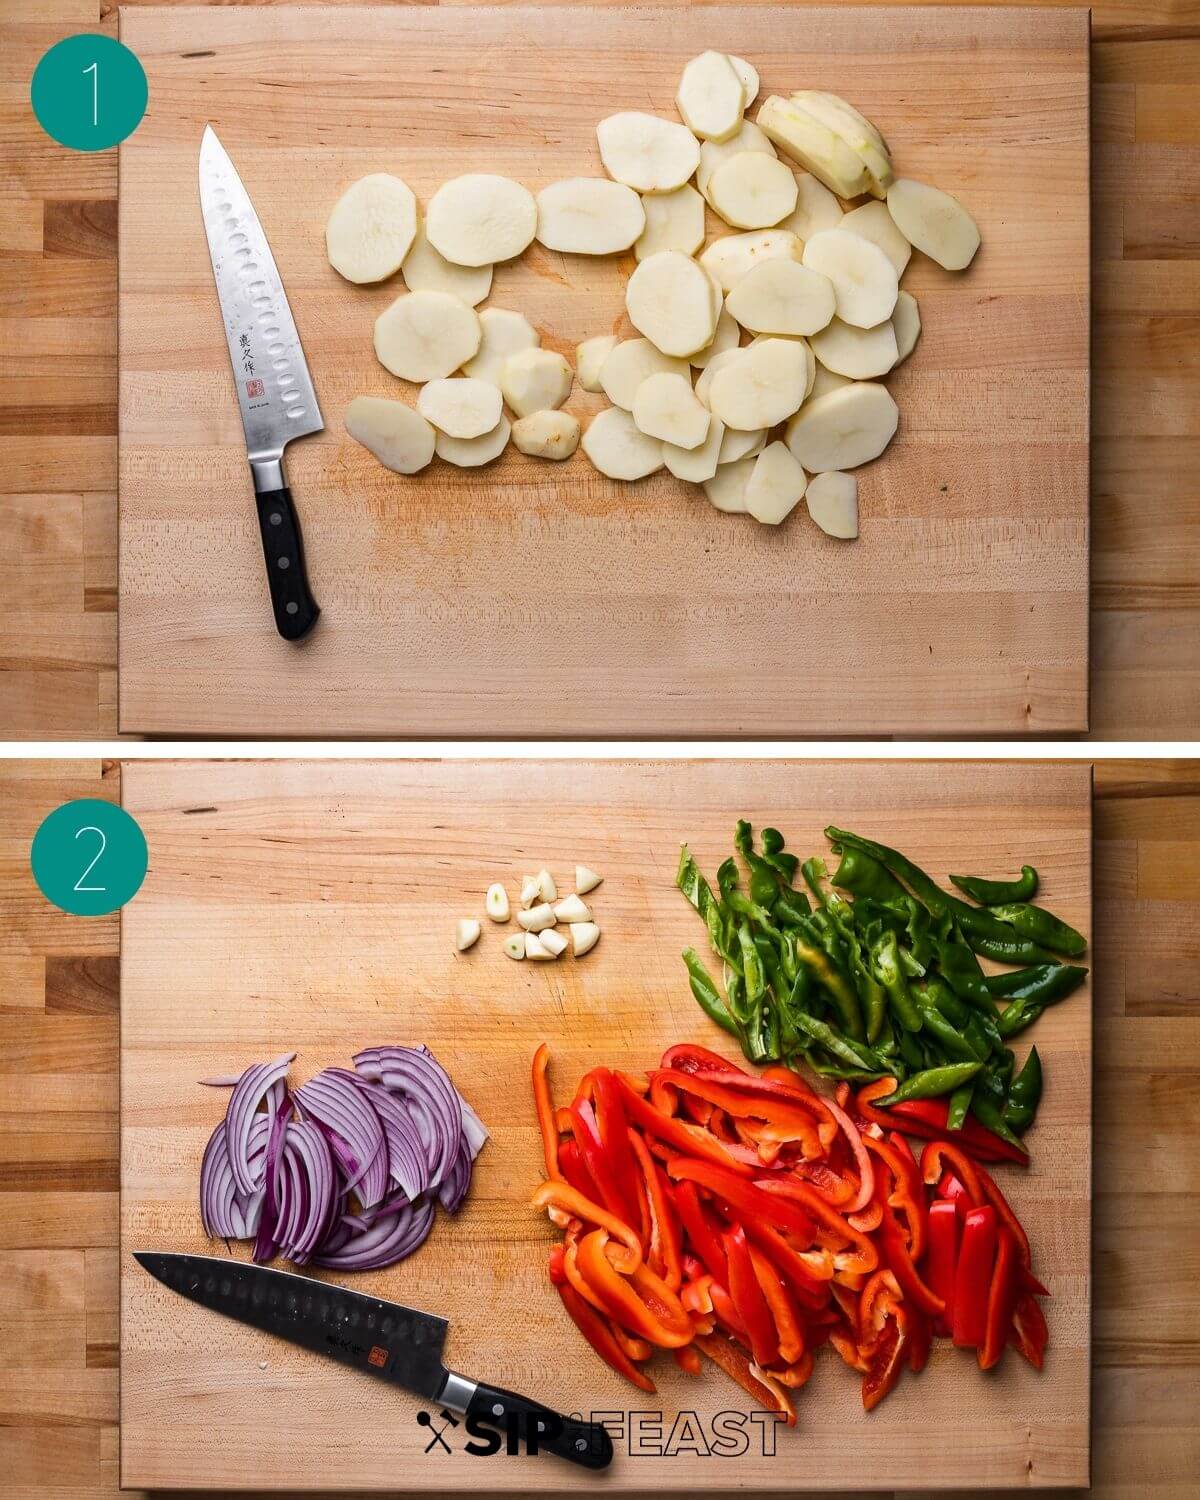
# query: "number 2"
[[94, 70], [91, 828]]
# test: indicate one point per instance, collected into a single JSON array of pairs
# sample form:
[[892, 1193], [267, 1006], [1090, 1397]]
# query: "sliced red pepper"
[[600, 1336], [555, 1265], [920, 1336], [1029, 1334], [783, 1119], [934, 1158], [748, 1297], [562, 1196], [638, 1350], [749, 1198], [973, 1277], [641, 1303], [724, 1352], [683, 1136], [544, 1105], [571, 1167], [877, 1302], [789, 1332], [727, 1314], [899, 1259], [1002, 1297], [941, 1259], [861, 1256], [847, 1346], [905, 1191], [1005, 1214], [885, 1362], [614, 1133], [614, 1194], [807, 1272], [838, 1190], [927, 1118], [688, 1359], [663, 1250], [702, 1234]]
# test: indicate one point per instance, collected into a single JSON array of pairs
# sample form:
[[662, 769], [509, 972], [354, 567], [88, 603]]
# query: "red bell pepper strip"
[[1002, 1297], [885, 1361], [973, 1277], [563, 1196], [748, 1198], [571, 1167], [614, 1133], [555, 1265], [641, 1303], [600, 1336], [788, 1330], [1029, 1334], [1005, 1214], [847, 1346], [899, 1259], [784, 1121], [935, 1157], [702, 1235], [953, 1191], [927, 1118], [664, 1250], [614, 1194], [688, 1359], [849, 1130], [877, 1302], [768, 1393], [920, 1336], [683, 1136], [861, 1254], [748, 1297], [867, 1220], [638, 1350], [839, 1191], [941, 1260], [806, 1272], [905, 1190], [544, 1106]]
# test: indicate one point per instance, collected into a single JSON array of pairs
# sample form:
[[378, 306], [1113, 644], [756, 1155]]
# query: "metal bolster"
[[457, 1392], [268, 473]]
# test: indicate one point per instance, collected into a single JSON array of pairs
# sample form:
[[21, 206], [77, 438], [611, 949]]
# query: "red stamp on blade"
[[255, 388], [377, 1357]]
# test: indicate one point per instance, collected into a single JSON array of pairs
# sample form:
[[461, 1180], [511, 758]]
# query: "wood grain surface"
[[961, 608], [311, 905]]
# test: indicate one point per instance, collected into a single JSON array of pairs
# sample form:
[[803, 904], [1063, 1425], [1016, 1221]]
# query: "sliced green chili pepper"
[[834, 982], [764, 877], [956, 1011], [1039, 988], [959, 966], [991, 1115], [884, 951], [862, 874], [1024, 1095], [954, 1043], [773, 853], [698, 891], [1042, 926], [791, 908], [930, 1083], [854, 1054], [909, 1050], [997, 892], [706, 992], [958, 1106]]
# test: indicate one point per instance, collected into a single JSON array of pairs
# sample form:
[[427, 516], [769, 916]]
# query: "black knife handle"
[[540, 1429], [295, 608]]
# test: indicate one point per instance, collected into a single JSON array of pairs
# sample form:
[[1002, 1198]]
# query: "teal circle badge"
[[89, 857], [88, 92]]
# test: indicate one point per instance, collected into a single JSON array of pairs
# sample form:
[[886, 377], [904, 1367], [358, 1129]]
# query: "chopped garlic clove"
[[547, 890], [586, 880], [529, 890], [515, 945], [497, 903], [535, 948], [553, 941], [466, 932], [584, 937], [537, 918], [572, 909]]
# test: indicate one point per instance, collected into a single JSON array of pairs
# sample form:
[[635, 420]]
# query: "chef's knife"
[[395, 1343], [274, 389]]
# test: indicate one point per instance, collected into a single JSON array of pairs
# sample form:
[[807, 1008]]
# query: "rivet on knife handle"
[[295, 608], [585, 1443]]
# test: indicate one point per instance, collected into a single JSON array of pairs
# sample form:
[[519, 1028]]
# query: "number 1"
[[79, 885], [95, 72]]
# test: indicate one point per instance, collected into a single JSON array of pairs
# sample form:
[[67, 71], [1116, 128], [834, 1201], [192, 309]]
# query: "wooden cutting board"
[[530, 598], [303, 905]]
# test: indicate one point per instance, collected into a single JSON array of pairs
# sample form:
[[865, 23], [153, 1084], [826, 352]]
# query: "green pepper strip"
[[773, 852], [707, 994], [1042, 926], [953, 1041], [1043, 982], [930, 1083], [997, 892], [1024, 1095], [764, 877], [958, 1105], [862, 875], [885, 961], [854, 1054], [991, 1116]]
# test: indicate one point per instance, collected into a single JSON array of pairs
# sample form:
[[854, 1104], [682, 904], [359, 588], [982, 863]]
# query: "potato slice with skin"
[[646, 152], [696, 464], [535, 380], [857, 353], [748, 137], [764, 386], [726, 337], [855, 129], [426, 335], [629, 364], [816, 208], [727, 488], [461, 407], [875, 223], [400, 438], [817, 148], [748, 74], [864, 279], [711, 97], [480, 219], [590, 357], [833, 503], [825, 380], [618, 449], [503, 333], [427, 271], [589, 216], [669, 298], [371, 228], [674, 221], [472, 453], [718, 362], [933, 221], [844, 428], [752, 191], [737, 445], [776, 485], [729, 258], [665, 407], [906, 322], [546, 434], [781, 296]]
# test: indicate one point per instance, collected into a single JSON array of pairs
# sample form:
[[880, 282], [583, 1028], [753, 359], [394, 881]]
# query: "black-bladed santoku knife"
[[274, 389], [394, 1343]]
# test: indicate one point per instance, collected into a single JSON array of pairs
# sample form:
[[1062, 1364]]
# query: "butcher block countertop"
[[58, 388]]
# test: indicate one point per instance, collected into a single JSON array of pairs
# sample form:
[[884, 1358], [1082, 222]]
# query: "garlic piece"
[[466, 932], [497, 903], [546, 887], [586, 880], [535, 948], [572, 909], [553, 942], [515, 945], [537, 918], [529, 889], [584, 937]]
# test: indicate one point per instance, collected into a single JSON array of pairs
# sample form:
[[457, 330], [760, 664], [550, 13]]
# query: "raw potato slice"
[[617, 448], [816, 208], [752, 191], [727, 488], [665, 407], [547, 434], [875, 223], [717, 362], [844, 428], [833, 503], [728, 259], [426, 335], [809, 357], [855, 129], [371, 227], [674, 221], [400, 438], [776, 485], [696, 464], [711, 97], [748, 74], [715, 153], [590, 357], [670, 299], [589, 216], [535, 380], [857, 353], [864, 279], [780, 296], [736, 445], [764, 386], [461, 408], [934, 222], [470, 453], [504, 333], [906, 321], [629, 364], [825, 380], [427, 271], [479, 219], [726, 337], [647, 153], [812, 144]]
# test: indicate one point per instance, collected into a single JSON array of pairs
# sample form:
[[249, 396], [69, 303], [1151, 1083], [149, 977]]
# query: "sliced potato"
[[618, 448], [535, 380], [728, 259], [875, 223], [737, 445], [906, 322], [371, 227], [503, 333], [471, 453], [833, 503], [748, 137], [670, 299], [864, 279], [816, 208], [857, 353], [844, 428], [809, 357], [752, 191], [589, 216], [646, 152], [590, 357], [462, 407], [726, 337], [426, 335], [696, 464], [727, 488], [825, 380], [812, 144], [546, 434], [764, 386], [711, 97], [934, 222], [718, 362], [776, 485], [674, 221], [665, 407], [629, 364], [400, 438], [855, 129], [427, 271], [748, 74], [781, 296], [480, 219]]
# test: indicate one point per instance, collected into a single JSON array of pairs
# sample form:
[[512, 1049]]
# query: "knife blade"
[[385, 1339], [275, 392]]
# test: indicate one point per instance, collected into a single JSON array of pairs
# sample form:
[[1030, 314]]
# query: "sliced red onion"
[[453, 1187], [267, 1240], [353, 1129], [416, 1075], [389, 1239], [260, 1081], [407, 1164]]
